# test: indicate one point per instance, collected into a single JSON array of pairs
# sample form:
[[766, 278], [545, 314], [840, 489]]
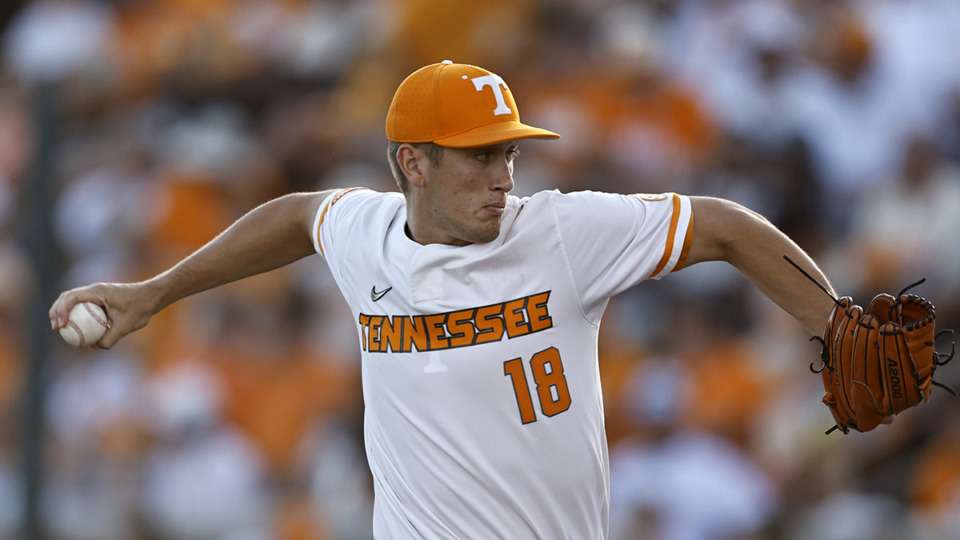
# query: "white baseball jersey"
[[484, 414]]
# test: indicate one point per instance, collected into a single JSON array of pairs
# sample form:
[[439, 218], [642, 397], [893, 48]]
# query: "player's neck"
[[425, 238]]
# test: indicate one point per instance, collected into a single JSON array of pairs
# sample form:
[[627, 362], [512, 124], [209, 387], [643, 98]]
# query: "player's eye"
[[483, 156], [512, 153]]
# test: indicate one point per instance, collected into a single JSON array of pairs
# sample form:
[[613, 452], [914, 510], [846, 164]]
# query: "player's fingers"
[[53, 314], [887, 419], [60, 310]]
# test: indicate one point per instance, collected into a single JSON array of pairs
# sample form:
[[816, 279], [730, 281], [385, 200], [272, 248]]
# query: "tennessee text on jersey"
[[462, 328]]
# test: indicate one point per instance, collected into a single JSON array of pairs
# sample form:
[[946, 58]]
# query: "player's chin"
[[486, 233]]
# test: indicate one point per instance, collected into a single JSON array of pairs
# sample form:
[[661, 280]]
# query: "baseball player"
[[477, 312]]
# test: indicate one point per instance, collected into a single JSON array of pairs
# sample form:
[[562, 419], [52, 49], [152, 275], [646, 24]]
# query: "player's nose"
[[503, 177]]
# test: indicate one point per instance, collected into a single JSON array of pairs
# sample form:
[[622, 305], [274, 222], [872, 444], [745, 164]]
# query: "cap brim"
[[494, 134]]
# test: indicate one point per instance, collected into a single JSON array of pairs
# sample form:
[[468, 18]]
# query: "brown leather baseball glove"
[[879, 362]]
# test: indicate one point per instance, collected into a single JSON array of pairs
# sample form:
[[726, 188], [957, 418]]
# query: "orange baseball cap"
[[458, 106]]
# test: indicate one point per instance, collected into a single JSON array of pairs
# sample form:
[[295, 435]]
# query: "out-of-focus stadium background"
[[132, 131]]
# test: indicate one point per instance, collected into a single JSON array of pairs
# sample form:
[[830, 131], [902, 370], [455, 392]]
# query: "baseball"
[[87, 324]]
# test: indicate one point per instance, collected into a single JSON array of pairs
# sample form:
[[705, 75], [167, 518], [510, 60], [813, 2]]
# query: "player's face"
[[463, 198]]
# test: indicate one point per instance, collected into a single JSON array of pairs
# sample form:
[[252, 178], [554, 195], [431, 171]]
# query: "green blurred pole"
[[39, 240]]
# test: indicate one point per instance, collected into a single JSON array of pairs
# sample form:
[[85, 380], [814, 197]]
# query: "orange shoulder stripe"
[[671, 235], [333, 200], [682, 263]]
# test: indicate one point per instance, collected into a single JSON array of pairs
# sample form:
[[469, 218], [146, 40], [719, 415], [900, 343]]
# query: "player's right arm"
[[270, 236]]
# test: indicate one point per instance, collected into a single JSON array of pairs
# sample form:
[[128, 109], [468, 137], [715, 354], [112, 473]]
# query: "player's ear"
[[412, 162]]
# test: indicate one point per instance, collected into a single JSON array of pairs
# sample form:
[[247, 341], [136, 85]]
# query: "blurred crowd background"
[[133, 131]]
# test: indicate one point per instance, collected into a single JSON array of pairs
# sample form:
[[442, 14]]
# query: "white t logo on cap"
[[494, 82]]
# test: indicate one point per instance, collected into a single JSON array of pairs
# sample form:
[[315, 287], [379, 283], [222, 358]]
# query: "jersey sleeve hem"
[[318, 221], [678, 238]]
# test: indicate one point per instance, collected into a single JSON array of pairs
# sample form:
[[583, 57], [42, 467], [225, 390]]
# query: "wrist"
[[153, 294]]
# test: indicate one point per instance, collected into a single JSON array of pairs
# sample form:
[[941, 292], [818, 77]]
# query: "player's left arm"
[[726, 231]]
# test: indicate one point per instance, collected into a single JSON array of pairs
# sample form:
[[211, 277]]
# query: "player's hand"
[[126, 304]]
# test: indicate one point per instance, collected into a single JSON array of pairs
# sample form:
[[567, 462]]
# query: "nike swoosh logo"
[[374, 295]]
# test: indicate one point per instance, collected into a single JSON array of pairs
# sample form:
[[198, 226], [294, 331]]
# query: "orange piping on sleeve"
[[671, 234], [333, 200], [682, 263]]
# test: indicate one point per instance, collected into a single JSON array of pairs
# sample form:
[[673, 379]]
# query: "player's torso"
[[483, 404]]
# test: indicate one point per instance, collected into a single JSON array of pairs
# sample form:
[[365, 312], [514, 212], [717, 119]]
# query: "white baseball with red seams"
[[86, 325]]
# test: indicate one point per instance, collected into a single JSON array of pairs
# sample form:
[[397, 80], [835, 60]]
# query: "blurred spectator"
[[96, 416], [678, 483], [915, 39], [204, 480], [52, 40], [934, 483], [847, 117], [853, 516], [749, 82], [889, 247], [851, 112], [102, 214], [340, 491], [494, 32]]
